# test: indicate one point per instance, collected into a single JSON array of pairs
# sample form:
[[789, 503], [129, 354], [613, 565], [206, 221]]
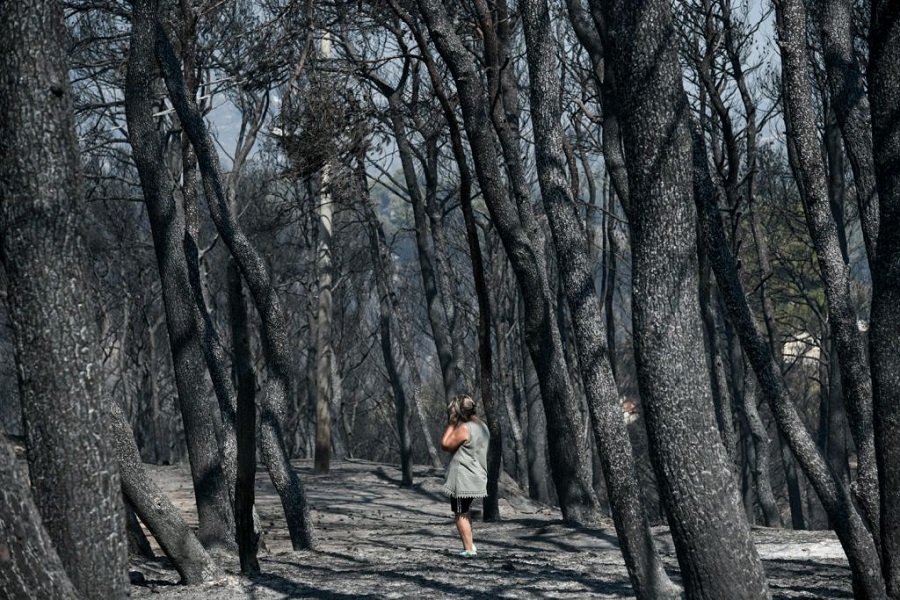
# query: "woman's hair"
[[463, 406]]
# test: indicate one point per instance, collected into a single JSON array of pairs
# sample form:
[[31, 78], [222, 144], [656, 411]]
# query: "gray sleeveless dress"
[[467, 471]]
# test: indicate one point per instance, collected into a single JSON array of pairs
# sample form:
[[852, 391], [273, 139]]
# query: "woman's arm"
[[454, 436]]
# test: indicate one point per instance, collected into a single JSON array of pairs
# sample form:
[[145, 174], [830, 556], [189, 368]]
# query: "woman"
[[467, 438]]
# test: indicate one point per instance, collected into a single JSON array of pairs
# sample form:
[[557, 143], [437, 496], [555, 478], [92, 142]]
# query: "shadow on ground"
[[378, 539]]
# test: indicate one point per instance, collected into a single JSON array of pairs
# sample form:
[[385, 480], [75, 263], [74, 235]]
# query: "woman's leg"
[[464, 527]]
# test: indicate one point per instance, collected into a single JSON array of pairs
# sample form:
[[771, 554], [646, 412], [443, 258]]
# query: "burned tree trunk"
[[810, 173], [644, 566], [154, 508], [569, 464], [710, 531], [851, 107], [273, 406], [74, 479], [29, 565], [210, 485], [884, 94], [245, 424], [835, 497]]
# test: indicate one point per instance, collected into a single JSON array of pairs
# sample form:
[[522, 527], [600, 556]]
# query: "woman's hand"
[[455, 435]]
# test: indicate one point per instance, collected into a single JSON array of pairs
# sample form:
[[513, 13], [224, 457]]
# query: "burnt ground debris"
[[378, 539]]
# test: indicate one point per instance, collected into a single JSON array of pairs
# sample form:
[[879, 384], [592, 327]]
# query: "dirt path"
[[378, 540]]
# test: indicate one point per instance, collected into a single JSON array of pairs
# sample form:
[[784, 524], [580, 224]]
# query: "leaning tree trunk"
[[242, 411], [138, 544], [213, 352], [273, 406], [539, 479], [74, 479], [722, 401], [855, 376], [648, 578], [508, 387], [851, 107], [884, 94], [491, 505], [833, 420], [154, 508], [760, 465], [834, 416], [712, 538], [210, 485], [835, 497], [569, 464], [29, 565]]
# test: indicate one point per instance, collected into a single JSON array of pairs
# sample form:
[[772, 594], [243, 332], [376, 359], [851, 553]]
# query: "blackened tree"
[[75, 481], [712, 538], [884, 97]]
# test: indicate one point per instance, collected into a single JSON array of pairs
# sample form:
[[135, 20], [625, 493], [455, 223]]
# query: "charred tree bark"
[[722, 401], [138, 544], [648, 578], [539, 478], [210, 485], [511, 393], [832, 421], [245, 424], [851, 107], [835, 448], [570, 468], [240, 413], [214, 357], [810, 172], [213, 352], [74, 479], [485, 353], [188, 39], [30, 568], [255, 273], [761, 443], [835, 497], [618, 243], [503, 113], [884, 94], [712, 538], [154, 508]]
